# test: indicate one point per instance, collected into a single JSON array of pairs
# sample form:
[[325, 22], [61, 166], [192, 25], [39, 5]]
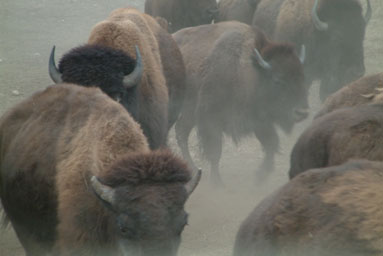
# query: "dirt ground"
[[28, 30]]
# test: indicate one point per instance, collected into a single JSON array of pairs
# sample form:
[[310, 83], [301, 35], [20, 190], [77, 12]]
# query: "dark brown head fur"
[[156, 167]]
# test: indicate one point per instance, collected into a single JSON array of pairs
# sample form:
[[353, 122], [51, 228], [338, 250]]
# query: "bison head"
[[339, 34], [284, 94], [197, 12], [114, 72], [145, 196]]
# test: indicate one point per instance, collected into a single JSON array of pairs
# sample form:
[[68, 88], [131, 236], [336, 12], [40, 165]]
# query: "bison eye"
[[126, 227]]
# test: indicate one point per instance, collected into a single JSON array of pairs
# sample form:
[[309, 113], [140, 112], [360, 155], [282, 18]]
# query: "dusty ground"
[[28, 30]]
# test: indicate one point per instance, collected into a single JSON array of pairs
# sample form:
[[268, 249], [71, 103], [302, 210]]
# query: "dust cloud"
[[28, 30]]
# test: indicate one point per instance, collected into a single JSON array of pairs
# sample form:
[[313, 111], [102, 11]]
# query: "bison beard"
[[154, 90], [78, 178], [182, 13], [332, 30], [239, 83]]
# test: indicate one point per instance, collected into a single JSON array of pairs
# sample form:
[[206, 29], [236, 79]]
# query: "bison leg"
[[268, 137], [183, 128], [211, 140], [31, 245]]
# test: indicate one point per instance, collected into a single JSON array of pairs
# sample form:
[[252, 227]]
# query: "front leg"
[[266, 134]]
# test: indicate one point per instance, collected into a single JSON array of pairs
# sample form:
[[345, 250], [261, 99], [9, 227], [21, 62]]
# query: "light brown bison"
[[238, 83], [362, 91], [240, 10], [107, 61], [332, 31], [333, 211], [183, 13], [355, 132], [78, 178]]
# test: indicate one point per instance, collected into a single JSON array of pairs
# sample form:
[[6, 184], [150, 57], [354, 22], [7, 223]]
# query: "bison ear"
[[54, 73], [192, 184], [104, 192], [260, 61]]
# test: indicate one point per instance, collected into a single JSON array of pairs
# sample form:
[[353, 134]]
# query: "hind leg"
[[268, 137], [183, 128], [211, 140]]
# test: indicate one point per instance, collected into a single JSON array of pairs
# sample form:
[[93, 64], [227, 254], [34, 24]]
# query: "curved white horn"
[[192, 184], [302, 55], [105, 192], [368, 15], [54, 73], [264, 64], [135, 77], [320, 25]]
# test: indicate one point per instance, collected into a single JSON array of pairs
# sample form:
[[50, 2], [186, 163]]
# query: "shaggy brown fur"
[[240, 10], [183, 13], [355, 132], [334, 56], [53, 143], [228, 92], [322, 212], [155, 167], [163, 83], [362, 91]]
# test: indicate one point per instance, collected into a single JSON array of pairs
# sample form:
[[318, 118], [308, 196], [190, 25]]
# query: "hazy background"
[[29, 29]]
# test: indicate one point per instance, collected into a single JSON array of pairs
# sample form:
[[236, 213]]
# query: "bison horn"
[[379, 89], [302, 55], [264, 64], [105, 192], [54, 73], [320, 25], [135, 77], [192, 184], [368, 96], [368, 12]]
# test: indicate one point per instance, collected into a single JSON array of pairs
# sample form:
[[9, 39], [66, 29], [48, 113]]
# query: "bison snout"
[[300, 114]]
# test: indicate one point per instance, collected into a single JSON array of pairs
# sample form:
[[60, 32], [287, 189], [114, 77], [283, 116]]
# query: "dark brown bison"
[[107, 61], [322, 212], [238, 83], [362, 91], [332, 31], [355, 132], [78, 178], [240, 10], [183, 13]]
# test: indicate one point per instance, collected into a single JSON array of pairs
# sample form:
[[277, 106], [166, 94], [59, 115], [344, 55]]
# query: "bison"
[[240, 10], [183, 13], [238, 83], [332, 31], [77, 178], [322, 212], [362, 91], [107, 61], [332, 139]]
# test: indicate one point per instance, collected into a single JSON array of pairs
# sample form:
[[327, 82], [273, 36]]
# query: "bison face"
[[147, 211], [114, 72], [282, 85], [338, 53], [201, 12]]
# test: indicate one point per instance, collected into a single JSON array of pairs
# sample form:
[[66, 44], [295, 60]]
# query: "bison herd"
[[85, 168]]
